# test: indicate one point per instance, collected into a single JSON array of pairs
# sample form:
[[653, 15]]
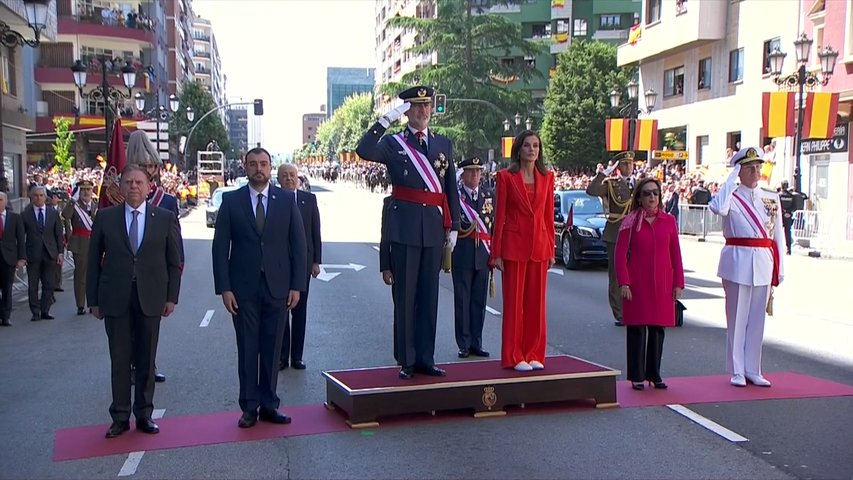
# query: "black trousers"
[[786, 227], [259, 326], [132, 338], [614, 295], [41, 270], [415, 271], [293, 345], [470, 288], [7, 281], [645, 348]]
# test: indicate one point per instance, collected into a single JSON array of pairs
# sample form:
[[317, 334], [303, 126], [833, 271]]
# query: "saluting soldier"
[[617, 191], [423, 220], [470, 264], [78, 217]]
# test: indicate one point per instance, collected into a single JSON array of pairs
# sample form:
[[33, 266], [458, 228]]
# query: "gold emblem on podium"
[[489, 397]]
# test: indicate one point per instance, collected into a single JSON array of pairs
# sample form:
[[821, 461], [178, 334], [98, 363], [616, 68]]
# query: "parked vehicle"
[[579, 220], [213, 204]]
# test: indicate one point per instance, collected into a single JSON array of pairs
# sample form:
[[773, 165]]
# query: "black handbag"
[[679, 313]]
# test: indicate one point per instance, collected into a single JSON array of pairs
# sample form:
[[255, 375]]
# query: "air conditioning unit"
[[42, 109]]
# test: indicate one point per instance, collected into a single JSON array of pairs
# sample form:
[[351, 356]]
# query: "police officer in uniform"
[[78, 216], [616, 192], [423, 221], [470, 267]]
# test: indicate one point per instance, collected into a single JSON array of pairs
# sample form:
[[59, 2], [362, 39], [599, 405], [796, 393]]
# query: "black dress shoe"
[[462, 353], [282, 365], [406, 373], [35, 318], [59, 289], [81, 311], [273, 416], [159, 377], [479, 352], [117, 428], [146, 425], [619, 323], [47, 316], [248, 420], [6, 323], [432, 370], [298, 365]]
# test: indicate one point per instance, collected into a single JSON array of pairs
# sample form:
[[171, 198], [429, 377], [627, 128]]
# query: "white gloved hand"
[[733, 176], [609, 170], [451, 239], [394, 115]]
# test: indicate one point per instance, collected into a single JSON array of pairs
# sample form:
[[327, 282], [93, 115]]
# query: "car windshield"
[[216, 199], [584, 204]]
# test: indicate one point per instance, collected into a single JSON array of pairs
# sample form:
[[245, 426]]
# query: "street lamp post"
[[159, 113], [632, 110], [801, 79], [105, 92], [528, 123]]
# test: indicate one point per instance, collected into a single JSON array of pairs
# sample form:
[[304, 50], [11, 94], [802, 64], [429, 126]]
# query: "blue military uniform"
[[471, 269], [416, 230]]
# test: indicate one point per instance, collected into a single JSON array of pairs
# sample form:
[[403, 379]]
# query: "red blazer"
[[524, 232]]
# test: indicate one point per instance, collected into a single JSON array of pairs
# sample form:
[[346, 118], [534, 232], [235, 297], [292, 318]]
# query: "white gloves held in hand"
[[394, 115], [609, 170], [451, 239]]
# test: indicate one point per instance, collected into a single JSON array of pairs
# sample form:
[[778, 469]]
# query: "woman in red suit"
[[651, 277], [523, 250]]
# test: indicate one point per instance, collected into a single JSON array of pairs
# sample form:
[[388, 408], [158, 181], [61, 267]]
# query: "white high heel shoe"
[[523, 367], [537, 365]]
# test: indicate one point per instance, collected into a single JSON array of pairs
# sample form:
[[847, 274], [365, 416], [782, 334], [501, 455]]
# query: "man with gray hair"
[[13, 255], [45, 249]]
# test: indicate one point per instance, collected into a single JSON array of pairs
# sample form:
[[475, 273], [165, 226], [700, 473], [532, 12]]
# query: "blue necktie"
[[41, 219]]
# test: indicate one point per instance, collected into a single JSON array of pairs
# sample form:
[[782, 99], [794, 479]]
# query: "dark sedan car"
[[578, 223], [213, 204]]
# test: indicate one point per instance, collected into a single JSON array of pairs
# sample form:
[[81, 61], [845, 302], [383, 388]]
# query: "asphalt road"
[[55, 374]]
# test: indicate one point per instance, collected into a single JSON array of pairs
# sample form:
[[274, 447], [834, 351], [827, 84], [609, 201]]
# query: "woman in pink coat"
[[651, 278]]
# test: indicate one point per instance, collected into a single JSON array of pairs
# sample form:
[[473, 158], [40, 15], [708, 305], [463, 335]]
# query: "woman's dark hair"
[[638, 191], [515, 155]]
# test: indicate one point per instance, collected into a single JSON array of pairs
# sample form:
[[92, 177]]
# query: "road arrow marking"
[[206, 320], [328, 276], [558, 271]]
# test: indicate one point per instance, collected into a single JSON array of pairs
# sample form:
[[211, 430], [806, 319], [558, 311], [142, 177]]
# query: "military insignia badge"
[[440, 164], [422, 92], [770, 209]]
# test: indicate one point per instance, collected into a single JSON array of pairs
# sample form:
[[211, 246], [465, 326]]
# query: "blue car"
[[578, 224]]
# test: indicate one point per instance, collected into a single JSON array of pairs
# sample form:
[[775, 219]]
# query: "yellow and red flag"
[[646, 135], [820, 115], [616, 134], [777, 114], [635, 34], [506, 147]]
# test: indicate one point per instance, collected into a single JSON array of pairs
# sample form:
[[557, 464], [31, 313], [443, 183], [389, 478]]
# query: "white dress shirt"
[[140, 220], [253, 197], [425, 132]]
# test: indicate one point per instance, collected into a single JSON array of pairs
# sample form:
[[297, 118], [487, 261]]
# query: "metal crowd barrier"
[[699, 221]]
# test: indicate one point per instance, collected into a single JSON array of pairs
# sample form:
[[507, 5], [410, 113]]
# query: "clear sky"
[[278, 50]]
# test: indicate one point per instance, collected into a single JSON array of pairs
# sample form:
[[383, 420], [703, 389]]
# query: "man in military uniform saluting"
[[616, 192], [79, 216], [423, 219], [471, 259]]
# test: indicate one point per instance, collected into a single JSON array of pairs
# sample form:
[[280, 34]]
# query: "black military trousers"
[[470, 288], [415, 271]]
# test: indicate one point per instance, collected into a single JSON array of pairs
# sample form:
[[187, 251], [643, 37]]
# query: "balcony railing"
[[203, 38], [201, 54], [110, 16]]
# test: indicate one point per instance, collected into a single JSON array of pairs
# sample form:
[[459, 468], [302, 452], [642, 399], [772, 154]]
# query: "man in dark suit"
[[470, 268], [259, 261], [422, 220], [133, 279], [45, 248], [293, 345], [13, 255]]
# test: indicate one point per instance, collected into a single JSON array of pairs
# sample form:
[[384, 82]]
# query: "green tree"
[[63, 144], [356, 116], [469, 43], [578, 102], [195, 95]]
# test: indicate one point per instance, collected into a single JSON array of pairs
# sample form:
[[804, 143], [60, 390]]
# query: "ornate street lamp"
[[159, 113], [632, 110], [36, 11]]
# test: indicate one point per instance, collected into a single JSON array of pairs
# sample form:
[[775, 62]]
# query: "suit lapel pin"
[[273, 197]]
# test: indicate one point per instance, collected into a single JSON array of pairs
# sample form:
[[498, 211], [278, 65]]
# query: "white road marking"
[[133, 458], [206, 320], [707, 423], [376, 248], [492, 310], [557, 271]]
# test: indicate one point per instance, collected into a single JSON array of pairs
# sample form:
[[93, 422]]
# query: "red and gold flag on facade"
[[116, 161], [777, 114], [635, 34], [506, 147], [646, 135], [820, 115], [616, 134]]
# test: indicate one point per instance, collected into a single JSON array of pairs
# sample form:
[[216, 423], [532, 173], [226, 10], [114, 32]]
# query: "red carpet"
[[208, 429]]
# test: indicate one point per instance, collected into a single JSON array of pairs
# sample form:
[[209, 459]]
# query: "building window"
[[580, 27], [562, 26], [507, 62], [769, 46], [10, 84], [680, 7], [704, 74], [609, 22], [701, 149], [673, 82], [736, 65], [540, 30], [653, 11], [530, 61]]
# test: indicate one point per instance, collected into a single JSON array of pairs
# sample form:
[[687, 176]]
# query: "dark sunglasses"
[[649, 193]]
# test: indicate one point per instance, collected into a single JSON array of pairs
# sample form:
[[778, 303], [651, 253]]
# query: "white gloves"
[[609, 170], [451, 239], [394, 115], [734, 174]]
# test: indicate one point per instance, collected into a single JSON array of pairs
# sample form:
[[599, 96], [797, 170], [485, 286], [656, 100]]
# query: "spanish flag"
[[558, 3], [820, 115], [506, 147], [616, 134], [635, 34], [777, 114], [646, 135]]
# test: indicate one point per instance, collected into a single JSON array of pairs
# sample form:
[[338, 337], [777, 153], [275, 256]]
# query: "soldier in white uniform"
[[750, 264]]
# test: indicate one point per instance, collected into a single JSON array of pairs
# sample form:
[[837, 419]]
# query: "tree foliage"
[[211, 128], [63, 144], [578, 102], [342, 132]]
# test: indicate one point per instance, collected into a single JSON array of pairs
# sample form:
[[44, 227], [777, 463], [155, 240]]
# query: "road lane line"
[[133, 458], [492, 310], [206, 320], [708, 423], [375, 248]]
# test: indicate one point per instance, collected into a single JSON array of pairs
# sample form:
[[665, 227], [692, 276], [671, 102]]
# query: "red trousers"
[[523, 286]]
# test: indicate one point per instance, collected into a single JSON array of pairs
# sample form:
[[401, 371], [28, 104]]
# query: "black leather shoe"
[[298, 365], [47, 316], [619, 323], [407, 373], [432, 370], [479, 352], [81, 311], [117, 428], [35, 318], [146, 425], [248, 420], [462, 353], [6, 323], [59, 289], [159, 377], [273, 416], [282, 365]]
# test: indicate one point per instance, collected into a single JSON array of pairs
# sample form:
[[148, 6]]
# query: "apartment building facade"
[[310, 123], [179, 32], [237, 125], [344, 82], [207, 62]]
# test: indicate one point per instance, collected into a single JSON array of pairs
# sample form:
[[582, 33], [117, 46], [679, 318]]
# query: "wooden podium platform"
[[483, 386]]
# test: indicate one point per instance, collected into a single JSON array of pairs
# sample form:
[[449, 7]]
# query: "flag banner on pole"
[[635, 34], [506, 146], [646, 136], [616, 134], [820, 115], [109, 193], [777, 114]]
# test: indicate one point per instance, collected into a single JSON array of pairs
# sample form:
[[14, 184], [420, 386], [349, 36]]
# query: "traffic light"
[[440, 103], [259, 107]]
